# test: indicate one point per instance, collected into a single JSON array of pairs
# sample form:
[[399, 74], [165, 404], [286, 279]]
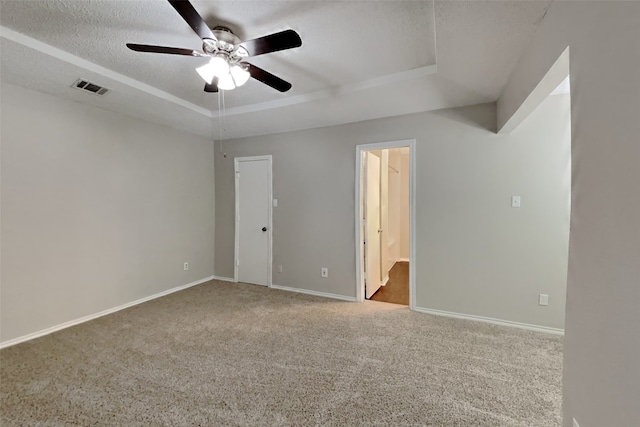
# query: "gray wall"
[[602, 342], [475, 254], [98, 210]]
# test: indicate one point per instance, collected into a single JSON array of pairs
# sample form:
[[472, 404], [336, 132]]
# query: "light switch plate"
[[515, 201], [543, 299]]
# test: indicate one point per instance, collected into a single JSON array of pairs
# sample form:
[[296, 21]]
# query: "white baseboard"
[[491, 320], [89, 317], [316, 293], [403, 260], [224, 279], [385, 281]]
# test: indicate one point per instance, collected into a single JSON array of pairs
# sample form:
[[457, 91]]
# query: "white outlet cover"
[[275, 203], [515, 201]]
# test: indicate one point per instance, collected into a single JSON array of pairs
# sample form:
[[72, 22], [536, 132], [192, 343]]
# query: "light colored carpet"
[[234, 354]]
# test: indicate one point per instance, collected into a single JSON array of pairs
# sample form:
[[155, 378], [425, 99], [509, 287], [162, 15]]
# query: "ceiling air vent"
[[89, 87]]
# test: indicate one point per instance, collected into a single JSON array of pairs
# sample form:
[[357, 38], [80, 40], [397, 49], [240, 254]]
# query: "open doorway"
[[384, 218]]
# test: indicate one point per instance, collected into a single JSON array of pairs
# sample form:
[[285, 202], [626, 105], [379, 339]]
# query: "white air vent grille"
[[86, 85]]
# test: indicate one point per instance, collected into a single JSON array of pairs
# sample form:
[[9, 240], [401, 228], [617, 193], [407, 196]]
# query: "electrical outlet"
[[280, 269], [543, 299], [186, 266], [324, 272]]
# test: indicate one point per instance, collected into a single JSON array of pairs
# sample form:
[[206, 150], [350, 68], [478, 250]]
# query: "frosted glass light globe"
[[240, 75], [219, 66], [216, 67]]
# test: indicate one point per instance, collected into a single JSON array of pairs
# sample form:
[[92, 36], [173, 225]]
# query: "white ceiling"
[[359, 59]]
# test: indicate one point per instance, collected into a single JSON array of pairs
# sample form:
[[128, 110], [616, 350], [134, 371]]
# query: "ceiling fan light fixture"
[[226, 52], [216, 67], [237, 76]]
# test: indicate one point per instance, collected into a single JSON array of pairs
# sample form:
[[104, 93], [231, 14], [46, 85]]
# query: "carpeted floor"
[[234, 354], [396, 290]]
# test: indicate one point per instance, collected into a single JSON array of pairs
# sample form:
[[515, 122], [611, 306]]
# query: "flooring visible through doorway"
[[396, 290]]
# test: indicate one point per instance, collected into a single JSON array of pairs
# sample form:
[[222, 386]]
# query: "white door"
[[372, 225], [384, 217], [253, 220]]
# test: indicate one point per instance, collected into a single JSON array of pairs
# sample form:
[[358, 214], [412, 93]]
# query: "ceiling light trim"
[[60, 54], [335, 91]]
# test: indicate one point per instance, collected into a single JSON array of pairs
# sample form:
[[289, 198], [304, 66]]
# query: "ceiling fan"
[[227, 67]]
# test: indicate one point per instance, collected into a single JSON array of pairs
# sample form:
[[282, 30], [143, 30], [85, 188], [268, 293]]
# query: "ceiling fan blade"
[[272, 43], [267, 78], [195, 21], [213, 87], [164, 49]]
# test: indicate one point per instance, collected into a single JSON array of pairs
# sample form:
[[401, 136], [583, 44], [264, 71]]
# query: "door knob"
[[264, 228]]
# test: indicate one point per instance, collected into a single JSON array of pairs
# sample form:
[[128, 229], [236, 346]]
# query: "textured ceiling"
[[359, 59]]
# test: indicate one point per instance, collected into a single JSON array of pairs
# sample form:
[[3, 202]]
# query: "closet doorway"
[[384, 222]]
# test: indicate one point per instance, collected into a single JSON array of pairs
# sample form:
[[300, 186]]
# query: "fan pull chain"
[[224, 113], [220, 125], [213, 132]]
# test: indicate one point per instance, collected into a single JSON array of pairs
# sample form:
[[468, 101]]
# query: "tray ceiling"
[[359, 59]]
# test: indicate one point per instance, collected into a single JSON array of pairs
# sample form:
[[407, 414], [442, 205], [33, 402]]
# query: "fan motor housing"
[[224, 34], [226, 43]]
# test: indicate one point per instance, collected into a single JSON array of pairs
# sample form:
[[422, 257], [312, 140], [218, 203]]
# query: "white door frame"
[[236, 164], [411, 143]]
